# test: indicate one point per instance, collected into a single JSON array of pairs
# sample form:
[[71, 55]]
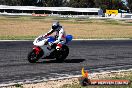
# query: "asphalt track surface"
[[92, 55]]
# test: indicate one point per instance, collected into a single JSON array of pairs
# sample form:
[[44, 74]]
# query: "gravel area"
[[60, 83]]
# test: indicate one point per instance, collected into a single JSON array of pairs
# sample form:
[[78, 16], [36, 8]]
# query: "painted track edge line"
[[61, 78], [74, 39]]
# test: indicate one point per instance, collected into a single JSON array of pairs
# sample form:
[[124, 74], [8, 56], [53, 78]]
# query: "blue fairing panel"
[[68, 38], [51, 39]]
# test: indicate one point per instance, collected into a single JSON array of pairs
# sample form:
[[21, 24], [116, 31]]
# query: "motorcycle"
[[42, 49]]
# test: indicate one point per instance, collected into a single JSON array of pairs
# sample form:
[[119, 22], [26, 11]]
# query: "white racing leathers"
[[60, 36]]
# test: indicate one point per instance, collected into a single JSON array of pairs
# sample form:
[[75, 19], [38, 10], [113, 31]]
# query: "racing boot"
[[58, 47]]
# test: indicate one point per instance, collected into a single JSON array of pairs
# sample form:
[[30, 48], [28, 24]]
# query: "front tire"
[[32, 57], [62, 54]]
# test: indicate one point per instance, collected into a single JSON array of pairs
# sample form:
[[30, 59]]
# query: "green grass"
[[114, 22], [17, 37], [28, 27], [18, 86], [83, 20]]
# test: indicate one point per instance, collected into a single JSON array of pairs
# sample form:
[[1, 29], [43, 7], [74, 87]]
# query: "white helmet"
[[55, 25]]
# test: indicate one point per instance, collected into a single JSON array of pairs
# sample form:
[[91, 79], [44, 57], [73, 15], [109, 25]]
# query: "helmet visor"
[[54, 27]]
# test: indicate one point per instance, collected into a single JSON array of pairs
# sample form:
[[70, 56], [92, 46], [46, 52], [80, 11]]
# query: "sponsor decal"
[[44, 15], [85, 81], [112, 12]]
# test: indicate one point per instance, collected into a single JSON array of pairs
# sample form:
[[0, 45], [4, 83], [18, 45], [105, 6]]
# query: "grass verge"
[[27, 28]]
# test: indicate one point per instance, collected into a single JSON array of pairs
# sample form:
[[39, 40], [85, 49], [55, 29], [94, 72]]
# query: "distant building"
[[50, 10]]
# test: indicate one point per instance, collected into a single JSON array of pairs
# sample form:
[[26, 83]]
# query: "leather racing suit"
[[60, 36]]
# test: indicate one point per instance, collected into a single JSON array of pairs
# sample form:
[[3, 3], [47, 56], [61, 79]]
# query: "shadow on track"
[[66, 61], [74, 60]]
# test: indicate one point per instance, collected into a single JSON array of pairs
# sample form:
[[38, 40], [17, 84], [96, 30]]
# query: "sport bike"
[[43, 50]]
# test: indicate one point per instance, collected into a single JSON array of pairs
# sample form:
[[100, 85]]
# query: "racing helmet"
[[55, 25]]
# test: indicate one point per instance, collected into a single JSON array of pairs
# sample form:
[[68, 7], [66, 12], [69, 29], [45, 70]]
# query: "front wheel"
[[32, 57], [62, 54]]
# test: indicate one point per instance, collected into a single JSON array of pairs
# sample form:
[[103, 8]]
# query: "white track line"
[[73, 39], [61, 78]]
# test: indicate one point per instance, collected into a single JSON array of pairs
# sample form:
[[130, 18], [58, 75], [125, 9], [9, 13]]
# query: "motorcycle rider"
[[60, 35]]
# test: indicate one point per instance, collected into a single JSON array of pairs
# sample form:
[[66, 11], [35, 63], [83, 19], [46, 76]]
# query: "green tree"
[[81, 3], [2, 2], [10, 2], [17, 2], [129, 4], [110, 4], [50, 3], [27, 2], [54, 3]]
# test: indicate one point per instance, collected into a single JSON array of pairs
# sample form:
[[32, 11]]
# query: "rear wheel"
[[62, 54]]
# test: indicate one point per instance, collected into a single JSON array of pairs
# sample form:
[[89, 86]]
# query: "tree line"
[[130, 4], [104, 4]]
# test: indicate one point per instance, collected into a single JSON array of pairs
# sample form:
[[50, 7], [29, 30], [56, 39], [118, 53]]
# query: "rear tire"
[[62, 54]]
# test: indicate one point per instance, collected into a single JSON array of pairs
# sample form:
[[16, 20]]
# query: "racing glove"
[[52, 45]]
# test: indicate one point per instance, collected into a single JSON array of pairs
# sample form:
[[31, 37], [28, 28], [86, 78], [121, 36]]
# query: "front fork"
[[37, 49]]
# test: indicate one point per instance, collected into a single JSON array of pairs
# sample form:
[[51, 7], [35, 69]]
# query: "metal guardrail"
[[67, 16], [16, 14]]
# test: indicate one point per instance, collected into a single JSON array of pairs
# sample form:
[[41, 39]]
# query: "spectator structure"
[[50, 10]]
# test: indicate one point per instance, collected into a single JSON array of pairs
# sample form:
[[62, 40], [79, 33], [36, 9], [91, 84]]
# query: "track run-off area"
[[93, 55]]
